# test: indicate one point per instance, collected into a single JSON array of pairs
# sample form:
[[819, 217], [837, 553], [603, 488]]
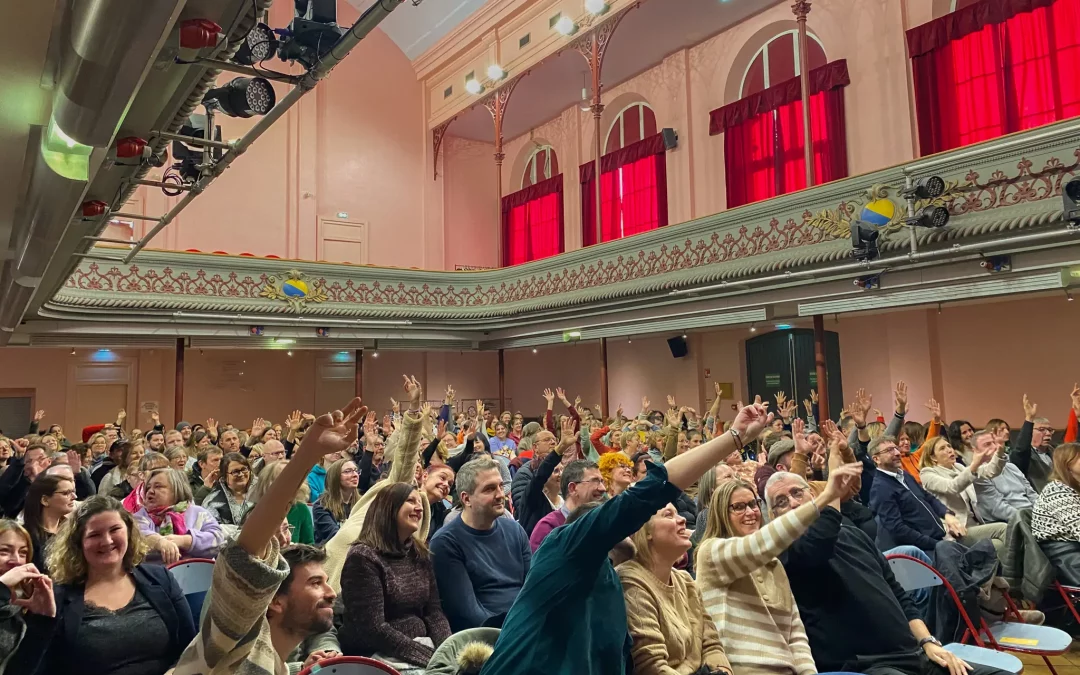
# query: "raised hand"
[[780, 398], [577, 401], [787, 410], [562, 396], [450, 394], [295, 421], [813, 396], [395, 406], [842, 482], [674, 418], [122, 415], [332, 433], [39, 415], [860, 407], [414, 390], [211, 478], [211, 423], [41, 600], [645, 404], [480, 409], [74, 461], [439, 433], [1030, 409], [670, 401], [567, 435], [387, 425], [258, 426], [809, 405], [370, 430], [619, 412], [751, 420], [717, 389], [549, 396], [900, 397], [155, 417], [935, 409], [425, 410], [798, 434]]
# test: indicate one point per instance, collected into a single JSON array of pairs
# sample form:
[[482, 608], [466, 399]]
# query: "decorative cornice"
[[996, 187]]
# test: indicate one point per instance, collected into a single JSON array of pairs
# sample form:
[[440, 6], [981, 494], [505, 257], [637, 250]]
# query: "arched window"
[[635, 122], [543, 164], [633, 186], [778, 61], [764, 141]]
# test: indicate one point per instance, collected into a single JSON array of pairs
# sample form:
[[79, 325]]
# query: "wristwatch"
[[929, 638]]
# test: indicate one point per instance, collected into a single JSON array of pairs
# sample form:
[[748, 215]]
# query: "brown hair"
[[1064, 455], [718, 524], [44, 485], [334, 498], [928, 448], [65, 559], [380, 530]]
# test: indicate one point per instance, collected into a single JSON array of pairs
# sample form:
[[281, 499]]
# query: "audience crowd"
[[437, 539]]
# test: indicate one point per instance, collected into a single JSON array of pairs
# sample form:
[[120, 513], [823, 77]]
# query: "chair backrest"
[[349, 665], [194, 577], [912, 573]]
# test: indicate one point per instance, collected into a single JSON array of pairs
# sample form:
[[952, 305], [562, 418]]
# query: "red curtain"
[[993, 68], [633, 191], [533, 222], [763, 137]]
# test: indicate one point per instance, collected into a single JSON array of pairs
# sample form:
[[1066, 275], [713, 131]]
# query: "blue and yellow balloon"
[[878, 212], [294, 288]]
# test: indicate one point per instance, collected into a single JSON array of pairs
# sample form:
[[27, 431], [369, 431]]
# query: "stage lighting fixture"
[[864, 238], [930, 216], [260, 44], [927, 187], [1070, 194], [312, 33], [187, 158], [243, 97]]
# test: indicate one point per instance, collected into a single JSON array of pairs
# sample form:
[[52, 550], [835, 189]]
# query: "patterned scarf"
[[169, 519]]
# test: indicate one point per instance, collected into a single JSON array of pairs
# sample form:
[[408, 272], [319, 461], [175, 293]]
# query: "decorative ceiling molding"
[[995, 188]]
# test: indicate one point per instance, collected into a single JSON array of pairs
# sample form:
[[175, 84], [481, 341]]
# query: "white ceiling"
[[646, 35], [24, 100], [415, 28]]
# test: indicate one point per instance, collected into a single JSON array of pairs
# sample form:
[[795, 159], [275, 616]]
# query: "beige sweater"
[[405, 452], [747, 594], [672, 635], [953, 487]]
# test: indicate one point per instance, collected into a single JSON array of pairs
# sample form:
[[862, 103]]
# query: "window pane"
[[781, 59]]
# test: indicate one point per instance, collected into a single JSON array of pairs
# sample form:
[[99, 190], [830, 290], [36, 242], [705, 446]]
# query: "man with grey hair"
[[1034, 450], [482, 558], [1000, 497]]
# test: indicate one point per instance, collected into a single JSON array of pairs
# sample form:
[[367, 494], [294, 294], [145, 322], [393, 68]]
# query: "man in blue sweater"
[[481, 558], [570, 618], [907, 514]]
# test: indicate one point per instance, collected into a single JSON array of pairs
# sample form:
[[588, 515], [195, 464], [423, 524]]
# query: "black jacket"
[[534, 504], [907, 514], [43, 652], [13, 488]]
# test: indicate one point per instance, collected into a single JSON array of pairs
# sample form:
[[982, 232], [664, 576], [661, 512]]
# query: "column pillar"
[[496, 103], [819, 366], [603, 379], [358, 386], [502, 382], [801, 8], [178, 386]]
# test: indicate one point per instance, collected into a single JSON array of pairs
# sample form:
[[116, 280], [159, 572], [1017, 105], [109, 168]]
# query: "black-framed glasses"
[[237, 473], [741, 507]]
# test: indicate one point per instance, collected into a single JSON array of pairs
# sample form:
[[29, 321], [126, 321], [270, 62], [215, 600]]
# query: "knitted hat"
[[89, 431], [180, 426], [779, 449]]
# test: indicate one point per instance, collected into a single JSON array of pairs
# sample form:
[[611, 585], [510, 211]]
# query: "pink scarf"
[[168, 519], [134, 501]]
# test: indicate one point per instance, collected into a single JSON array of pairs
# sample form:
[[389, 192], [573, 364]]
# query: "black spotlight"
[[931, 216], [312, 33], [243, 97], [928, 187], [864, 238], [260, 44], [1071, 196], [188, 157]]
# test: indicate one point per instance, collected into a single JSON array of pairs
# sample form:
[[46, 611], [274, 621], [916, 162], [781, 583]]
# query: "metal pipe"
[[162, 184], [193, 140], [207, 157], [892, 262], [106, 240], [94, 256], [359, 30], [248, 70]]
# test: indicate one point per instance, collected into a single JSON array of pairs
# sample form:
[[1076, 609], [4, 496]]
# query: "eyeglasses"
[[782, 501], [741, 507], [64, 493], [593, 481], [1045, 430], [349, 472], [883, 451], [237, 473]]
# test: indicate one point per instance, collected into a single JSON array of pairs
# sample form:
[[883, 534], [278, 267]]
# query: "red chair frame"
[[184, 561], [362, 660], [983, 627], [1067, 593]]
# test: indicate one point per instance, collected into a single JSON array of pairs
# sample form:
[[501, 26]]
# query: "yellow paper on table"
[[1025, 642]]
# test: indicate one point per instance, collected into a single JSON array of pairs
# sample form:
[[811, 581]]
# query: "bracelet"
[[735, 436]]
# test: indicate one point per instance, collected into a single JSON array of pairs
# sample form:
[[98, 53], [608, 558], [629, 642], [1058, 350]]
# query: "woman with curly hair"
[[617, 471], [105, 595]]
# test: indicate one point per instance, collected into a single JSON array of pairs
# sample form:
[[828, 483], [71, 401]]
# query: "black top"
[[13, 488], [40, 541], [104, 645], [535, 505], [840, 580]]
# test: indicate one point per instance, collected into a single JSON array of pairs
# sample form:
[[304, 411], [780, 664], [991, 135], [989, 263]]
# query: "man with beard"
[[303, 610]]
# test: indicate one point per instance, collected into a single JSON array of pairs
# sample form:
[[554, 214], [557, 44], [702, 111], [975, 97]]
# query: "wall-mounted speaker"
[[678, 347], [671, 138]]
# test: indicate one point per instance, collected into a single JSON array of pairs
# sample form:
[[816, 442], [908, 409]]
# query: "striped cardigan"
[[746, 592]]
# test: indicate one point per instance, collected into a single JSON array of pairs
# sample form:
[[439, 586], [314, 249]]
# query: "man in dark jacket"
[[1034, 450], [907, 514], [16, 479]]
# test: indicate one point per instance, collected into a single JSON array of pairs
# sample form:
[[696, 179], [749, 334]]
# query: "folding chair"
[[194, 576], [913, 574], [349, 665], [1071, 595], [1002, 636]]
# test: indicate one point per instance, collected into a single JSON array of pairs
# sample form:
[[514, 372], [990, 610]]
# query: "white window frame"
[[530, 165], [764, 53]]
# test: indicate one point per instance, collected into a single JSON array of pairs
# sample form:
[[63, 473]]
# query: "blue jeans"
[[920, 597]]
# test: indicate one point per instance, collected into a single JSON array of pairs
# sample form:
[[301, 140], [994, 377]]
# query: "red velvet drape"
[[993, 68], [533, 222], [633, 191], [763, 137]]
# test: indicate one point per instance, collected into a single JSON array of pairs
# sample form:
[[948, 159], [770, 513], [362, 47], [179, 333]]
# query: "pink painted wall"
[[355, 145], [471, 203]]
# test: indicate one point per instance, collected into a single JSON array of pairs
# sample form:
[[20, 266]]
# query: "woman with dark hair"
[[960, 433], [131, 490], [390, 598], [131, 453], [333, 506], [113, 613], [1055, 520], [48, 502], [230, 499]]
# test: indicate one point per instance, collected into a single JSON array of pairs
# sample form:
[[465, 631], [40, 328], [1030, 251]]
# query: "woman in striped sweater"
[[744, 586]]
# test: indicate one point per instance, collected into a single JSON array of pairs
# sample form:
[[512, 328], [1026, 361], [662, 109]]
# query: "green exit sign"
[[772, 380]]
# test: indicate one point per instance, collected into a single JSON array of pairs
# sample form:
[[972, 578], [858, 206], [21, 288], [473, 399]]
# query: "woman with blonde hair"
[[177, 458], [99, 448], [952, 483], [664, 610], [24, 590], [105, 595], [334, 505], [301, 523], [745, 584]]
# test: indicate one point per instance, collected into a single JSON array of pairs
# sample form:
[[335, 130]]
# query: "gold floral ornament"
[[879, 207], [293, 290]]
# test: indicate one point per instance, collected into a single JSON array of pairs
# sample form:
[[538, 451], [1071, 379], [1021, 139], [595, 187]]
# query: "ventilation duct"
[[1002, 285]]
